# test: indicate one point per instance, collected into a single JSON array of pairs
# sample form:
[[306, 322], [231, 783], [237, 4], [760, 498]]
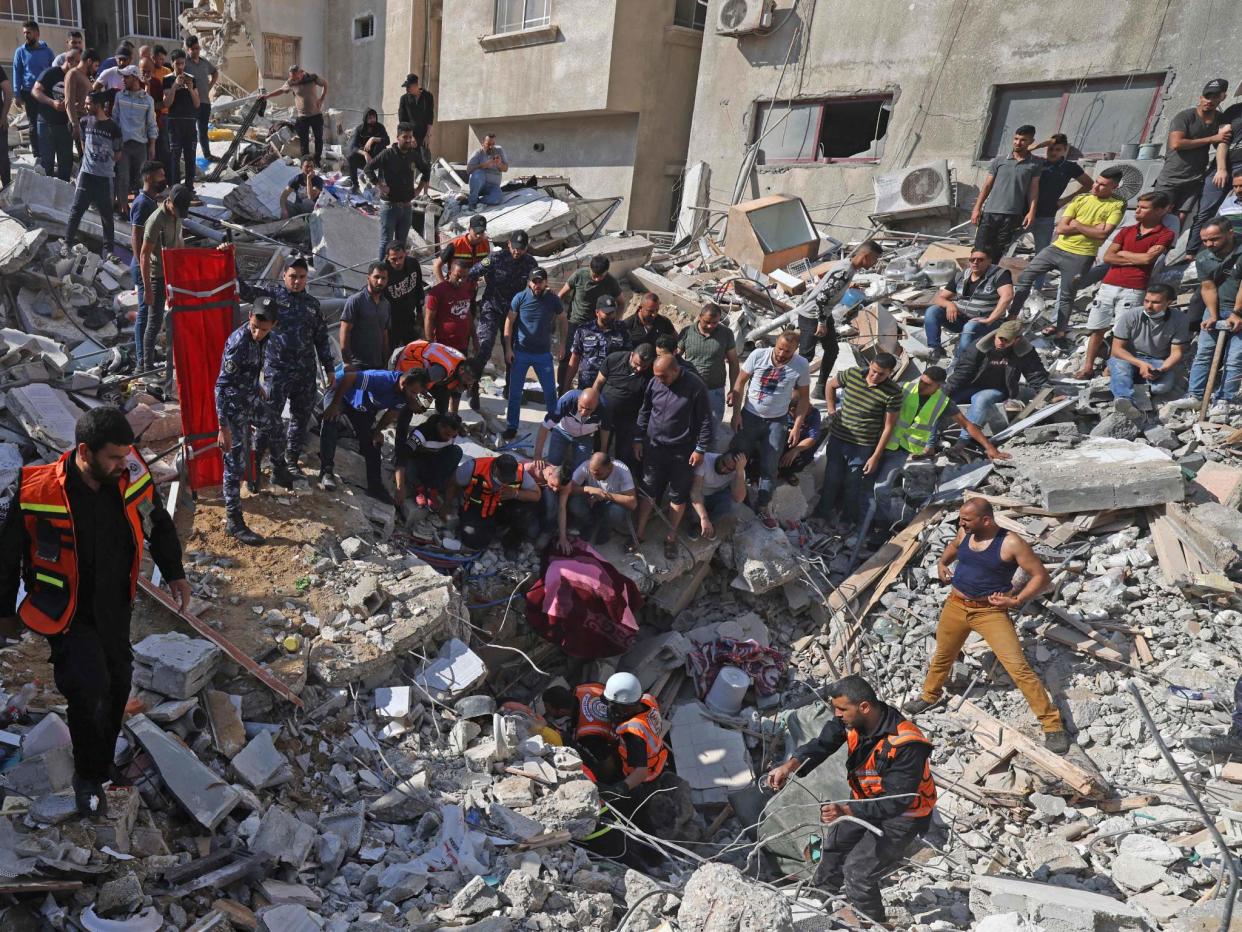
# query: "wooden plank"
[[40, 886], [1078, 779], [1082, 626], [1064, 634], [989, 760], [1143, 650], [1232, 772], [1013, 504], [1168, 550], [263, 676], [1128, 803]]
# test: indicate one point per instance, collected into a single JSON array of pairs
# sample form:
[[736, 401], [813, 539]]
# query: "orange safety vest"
[[867, 781], [483, 490], [592, 713], [51, 576], [647, 726], [421, 354], [475, 252]]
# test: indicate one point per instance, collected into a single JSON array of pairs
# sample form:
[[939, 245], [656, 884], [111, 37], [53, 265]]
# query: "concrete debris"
[[718, 898], [1055, 909], [203, 794], [175, 665]]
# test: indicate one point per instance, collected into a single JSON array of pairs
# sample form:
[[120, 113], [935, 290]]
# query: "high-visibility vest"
[[51, 576], [646, 725], [422, 354], [592, 713], [483, 490], [868, 780], [918, 418], [474, 252]]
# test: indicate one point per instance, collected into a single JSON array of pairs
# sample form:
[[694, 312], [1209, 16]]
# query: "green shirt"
[[586, 292], [162, 230], [860, 416], [707, 354]]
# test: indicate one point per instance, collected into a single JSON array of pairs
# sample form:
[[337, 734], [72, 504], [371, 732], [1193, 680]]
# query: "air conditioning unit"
[[1140, 176], [743, 17], [924, 191]]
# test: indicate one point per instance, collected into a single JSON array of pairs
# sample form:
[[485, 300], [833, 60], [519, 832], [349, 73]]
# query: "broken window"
[[156, 19], [46, 12], [1099, 115], [512, 15], [691, 13], [364, 26], [279, 54], [835, 129]]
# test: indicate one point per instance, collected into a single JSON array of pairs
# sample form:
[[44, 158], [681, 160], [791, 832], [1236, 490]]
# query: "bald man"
[[675, 431], [572, 427], [983, 592]]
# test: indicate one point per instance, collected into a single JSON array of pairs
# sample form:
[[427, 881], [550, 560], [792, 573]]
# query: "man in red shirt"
[[1131, 257], [449, 317]]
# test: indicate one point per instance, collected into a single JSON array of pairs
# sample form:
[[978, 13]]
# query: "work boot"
[[818, 391], [91, 801], [236, 528], [917, 705], [282, 476], [1058, 742], [509, 434], [1227, 746], [327, 482]]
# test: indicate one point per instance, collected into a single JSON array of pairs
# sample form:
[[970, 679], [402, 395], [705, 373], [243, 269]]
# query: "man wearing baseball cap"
[[505, 273], [1192, 134], [593, 342], [134, 112], [991, 369], [473, 247], [528, 344]]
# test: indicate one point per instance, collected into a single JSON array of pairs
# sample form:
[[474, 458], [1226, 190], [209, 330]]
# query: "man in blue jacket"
[[29, 61]]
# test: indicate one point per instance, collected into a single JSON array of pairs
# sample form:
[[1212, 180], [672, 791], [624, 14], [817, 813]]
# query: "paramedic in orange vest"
[[449, 373], [620, 714], [498, 497], [73, 534], [889, 772]]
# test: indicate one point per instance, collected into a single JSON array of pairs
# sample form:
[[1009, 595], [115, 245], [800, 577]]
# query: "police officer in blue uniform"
[[300, 340], [505, 272], [243, 405]]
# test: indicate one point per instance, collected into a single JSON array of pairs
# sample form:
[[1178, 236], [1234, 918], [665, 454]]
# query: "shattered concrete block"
[[1101, 474], [514, 792], [259, 763], [284, 837], [1218, 482], [1136, 874], [366, 597], [278, 892], [227, 729], [652, 657], [624, 251], [1055, 909], [45, 413], [165, 423], [763, 557], [49, 772], [53, 808], [476, 898], [524, 892], [289, 917], [180, 666], [347, 824], [718, 898], [573, 807], [18, 244], [349, 237], [709, 758], [1054, 854], [1213, 530], [198, 788], [258, 198], [119, 897]]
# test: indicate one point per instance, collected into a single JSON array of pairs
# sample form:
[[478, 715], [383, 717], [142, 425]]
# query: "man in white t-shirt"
[[719, 486], [771, 379], [598, 500]]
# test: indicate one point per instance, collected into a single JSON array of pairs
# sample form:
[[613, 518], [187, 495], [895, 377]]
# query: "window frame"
[[354, 27], [527, 21], [1160, 78], [699, 7], [282, 73], [37, 13], [127, 18], [821, 102]]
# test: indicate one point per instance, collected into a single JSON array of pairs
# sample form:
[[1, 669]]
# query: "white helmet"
[[623, 688]]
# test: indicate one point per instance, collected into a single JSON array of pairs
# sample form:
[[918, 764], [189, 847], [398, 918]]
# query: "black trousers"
[[6, 167], [204, 125], [363, 428], [304, 127], [93, 666], [857, 858], [807, 341], [183, 137], [513, 519], [31, 107], [997, 232]]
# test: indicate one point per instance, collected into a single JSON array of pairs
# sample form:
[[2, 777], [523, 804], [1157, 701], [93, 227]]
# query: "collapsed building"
[[328, 737]]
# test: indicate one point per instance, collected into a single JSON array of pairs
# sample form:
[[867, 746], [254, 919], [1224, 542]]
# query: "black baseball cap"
[[606, 303], [181, 195], [1215, 86], [520, 239], [538, 275], [265, 308], [478, 223], [936, 373]]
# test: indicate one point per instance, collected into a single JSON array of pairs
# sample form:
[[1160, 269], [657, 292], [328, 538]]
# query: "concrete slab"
[[528, 209], [709, 758], [695, 188], [625, 252], [259, 763], [348, 239], [669, 292], [203, 792], [1101, 474], [259, 198], [1056, 909], [45, 413], [17, 244], [179, 666], [283, 837]]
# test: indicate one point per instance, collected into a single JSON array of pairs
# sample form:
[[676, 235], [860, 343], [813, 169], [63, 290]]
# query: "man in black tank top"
[[982, 595]]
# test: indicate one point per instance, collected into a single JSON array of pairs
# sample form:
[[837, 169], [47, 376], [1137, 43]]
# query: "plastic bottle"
[[16, 707]]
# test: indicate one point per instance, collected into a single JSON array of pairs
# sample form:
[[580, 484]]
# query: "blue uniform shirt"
[[301, 334], [503, 277], [593, 346], [376, 390], [237, 387]]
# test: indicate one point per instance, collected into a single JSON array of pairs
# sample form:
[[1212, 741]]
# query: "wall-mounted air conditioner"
[[1140, 176], [923, 191], [743, 17]]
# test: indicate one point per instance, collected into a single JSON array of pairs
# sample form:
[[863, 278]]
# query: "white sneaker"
[[1184, 403]]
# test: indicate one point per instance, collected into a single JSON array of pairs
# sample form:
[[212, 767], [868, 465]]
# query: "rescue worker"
[[891, 788], [505, 274], [473, 246], [499, 496], [449, 372], [617, 719], [243, 407], [361, 395], [73, 534], [300, 339]]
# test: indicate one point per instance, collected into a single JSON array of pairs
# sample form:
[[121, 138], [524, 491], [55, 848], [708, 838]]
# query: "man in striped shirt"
[[862, 426]]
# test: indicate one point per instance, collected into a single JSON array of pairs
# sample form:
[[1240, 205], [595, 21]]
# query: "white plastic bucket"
[[728, 691]]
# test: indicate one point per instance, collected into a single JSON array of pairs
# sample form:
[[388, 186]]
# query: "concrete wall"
[[355, 69], [608, 92], [941, 60]]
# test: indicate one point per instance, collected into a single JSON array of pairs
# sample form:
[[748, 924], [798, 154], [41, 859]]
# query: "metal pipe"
[[1208, 822]]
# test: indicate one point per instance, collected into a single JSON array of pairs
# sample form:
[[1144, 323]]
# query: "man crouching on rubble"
[[891, 789]]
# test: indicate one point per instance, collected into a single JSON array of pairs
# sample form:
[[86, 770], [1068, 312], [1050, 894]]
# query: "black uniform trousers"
[[807, 341], [857, 859]]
